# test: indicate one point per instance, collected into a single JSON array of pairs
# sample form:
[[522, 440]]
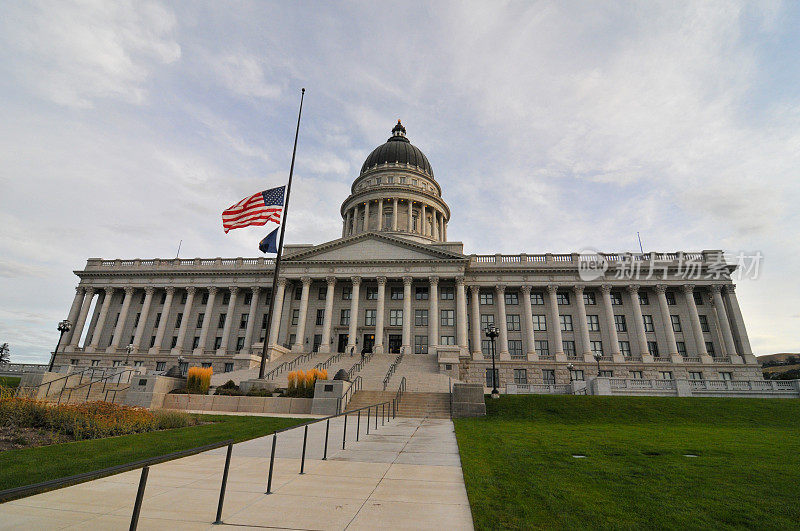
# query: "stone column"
[[123, 316], [697, 331], [608, 310], [583, 326], [441, 228], [325, 346], [201, 346], [407, 314], [527, 313], [423, 221], [226, 328], [148, 301], [299, 344], [641, 337], [410, 216], [741, 330], [74, 311], [81, 321], [724, 323], [101, 319], [555, 327], [394, 214], [187, 313], [366, 215], [352, 331], [277, 307], [474, 292], [251, 319], [346, 221], [672, 347], [461, 316], [380, 214], [380, 316], [162, 326], [435, 226], [502, 347], [433, 314]]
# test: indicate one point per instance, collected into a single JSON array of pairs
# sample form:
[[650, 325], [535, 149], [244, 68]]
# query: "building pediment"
[[374, 248]]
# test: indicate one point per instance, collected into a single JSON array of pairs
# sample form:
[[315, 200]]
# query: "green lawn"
[[10, 381], [520, 471], [33, 465]]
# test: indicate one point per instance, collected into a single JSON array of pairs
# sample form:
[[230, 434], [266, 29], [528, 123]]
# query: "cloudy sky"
[[126, 127]]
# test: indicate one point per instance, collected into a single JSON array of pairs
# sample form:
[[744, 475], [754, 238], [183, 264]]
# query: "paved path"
[[404, 475]]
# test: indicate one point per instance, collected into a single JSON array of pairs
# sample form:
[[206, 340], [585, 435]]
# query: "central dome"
[[398, 149]]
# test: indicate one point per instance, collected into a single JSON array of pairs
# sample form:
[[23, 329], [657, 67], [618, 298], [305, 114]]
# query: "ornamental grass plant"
[[199, 380]]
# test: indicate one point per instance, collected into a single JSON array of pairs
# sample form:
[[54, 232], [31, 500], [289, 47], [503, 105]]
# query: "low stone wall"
[[240, 404], [468, 400]]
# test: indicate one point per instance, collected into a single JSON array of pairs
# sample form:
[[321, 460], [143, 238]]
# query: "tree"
[[5, 354]]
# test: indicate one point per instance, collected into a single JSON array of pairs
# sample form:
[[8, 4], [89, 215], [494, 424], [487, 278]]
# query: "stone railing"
[[180, 263], [682, 387], [19, 368], [575, 258], [691, 359], [539, 389], [638, 383]]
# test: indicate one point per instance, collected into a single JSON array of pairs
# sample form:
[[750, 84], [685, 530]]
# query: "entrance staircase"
[[415, 405]]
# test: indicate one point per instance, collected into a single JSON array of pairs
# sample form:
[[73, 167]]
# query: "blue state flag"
[[269, 244]]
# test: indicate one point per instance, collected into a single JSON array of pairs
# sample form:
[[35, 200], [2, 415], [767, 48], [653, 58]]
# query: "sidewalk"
[[404, 475]]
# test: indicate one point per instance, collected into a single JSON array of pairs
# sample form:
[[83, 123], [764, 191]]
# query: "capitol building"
[[395, 283]]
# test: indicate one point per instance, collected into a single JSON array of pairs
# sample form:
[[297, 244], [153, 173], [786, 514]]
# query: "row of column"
[[354, 223], [639, 332]]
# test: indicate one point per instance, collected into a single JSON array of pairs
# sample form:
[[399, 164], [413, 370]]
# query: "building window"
[[549, 376], [322, 293], [448, 317], [698, 298], [710, 348], [643, 300], [625, 348], [619, 323], [420, 344], [447, 293], [421, 293], [397, 294], [537, 298], [228, 367], [726, 376], [298, 293], [647, 320], [597, 347], [703, 323], [515, 348], [200, 317], [206, 365], [616, 298], [566, 322], [239, 343], [74, 361], [320, 317], [569, 347], [158, 320], [670, 297], [541, 347], [184, 295], [676, 323], [486, 347], [593, 323], [539, 323], [217, 343], [136, 320], [421, 317], [372, 293], [652, 348], [576, 374], [204, 298], [292, 339], [344, 317], [295, 317], [512, 298], [243, 321], [195, 342], [152, 341], [512, 323], [178, 320], [161, 365], [562, 298], [395, 317], [681, 347], [264, 321], [447, 340], [226, 297], [369, 317], [174, 342], [486, 297], [347, 293], [248, 297], [606, 374], [666, 375], [116, 363], [520, 376], [636, 375], [588, 298], [695, 375], [221, 323], [487, 320], [492, 381]]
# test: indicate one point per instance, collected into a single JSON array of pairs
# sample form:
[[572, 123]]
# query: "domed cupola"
[[395, 192], [398, 150]]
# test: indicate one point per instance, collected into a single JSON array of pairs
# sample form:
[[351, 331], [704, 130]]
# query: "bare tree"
[[5, 354]]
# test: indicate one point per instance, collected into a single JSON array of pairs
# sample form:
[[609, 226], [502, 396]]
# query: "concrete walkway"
[[404, 475]]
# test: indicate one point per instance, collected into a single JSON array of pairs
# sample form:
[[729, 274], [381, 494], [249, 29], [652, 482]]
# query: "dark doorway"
[[342, 343], [395, 342], [369, 341]]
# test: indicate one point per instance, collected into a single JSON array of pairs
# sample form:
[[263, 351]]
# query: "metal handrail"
[[357, 366], [400, 390], [33, 389], [330, 361], [286, 365], [92, 382], [391, 370], [355, 386]]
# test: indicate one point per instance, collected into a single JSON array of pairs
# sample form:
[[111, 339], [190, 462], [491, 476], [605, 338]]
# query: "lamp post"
[[63, 327], [129, 349], [492, 332], [598, 356], [570, 368]]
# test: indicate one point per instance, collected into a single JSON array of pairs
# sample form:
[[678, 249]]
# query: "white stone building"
[[393, 281]]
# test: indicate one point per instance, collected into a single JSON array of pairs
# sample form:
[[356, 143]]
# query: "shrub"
[[199, 380], [167, 419], [228, 385]]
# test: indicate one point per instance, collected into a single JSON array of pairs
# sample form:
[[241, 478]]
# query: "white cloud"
[[244, 75]]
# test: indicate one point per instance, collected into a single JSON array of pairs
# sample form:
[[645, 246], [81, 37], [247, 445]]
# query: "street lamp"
[[570, 368], [63, 327], [492, 332], [129, 349], [598, 356]]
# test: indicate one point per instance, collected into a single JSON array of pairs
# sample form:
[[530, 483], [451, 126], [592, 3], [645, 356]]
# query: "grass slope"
[[33, 465], [520, 473], [10, 381]]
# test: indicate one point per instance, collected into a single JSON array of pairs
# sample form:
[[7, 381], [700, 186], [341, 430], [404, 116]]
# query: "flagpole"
[[280, 250]]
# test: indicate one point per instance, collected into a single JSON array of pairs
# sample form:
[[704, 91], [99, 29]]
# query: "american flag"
[[258, 209]]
